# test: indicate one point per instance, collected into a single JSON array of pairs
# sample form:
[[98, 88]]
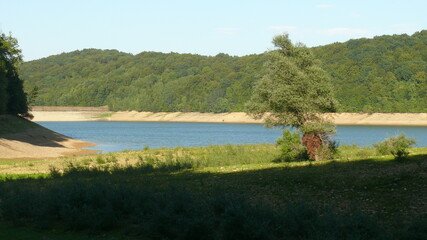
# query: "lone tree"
[[294, 90]]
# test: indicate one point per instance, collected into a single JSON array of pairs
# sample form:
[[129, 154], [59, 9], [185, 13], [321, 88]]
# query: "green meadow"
[[216, 192]]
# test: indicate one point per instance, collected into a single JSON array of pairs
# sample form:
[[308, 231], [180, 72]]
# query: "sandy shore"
[[72, 114], [38, 142], [380, 119], [234, 117], [400, 119], [62, 116]]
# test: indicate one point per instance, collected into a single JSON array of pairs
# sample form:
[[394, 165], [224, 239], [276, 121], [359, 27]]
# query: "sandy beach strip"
[[72, 114], [233, 117], [39, 142], [379, 119], [65, 116], [374, 119]]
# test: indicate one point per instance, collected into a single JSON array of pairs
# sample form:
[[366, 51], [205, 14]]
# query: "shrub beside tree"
[[291, 148]]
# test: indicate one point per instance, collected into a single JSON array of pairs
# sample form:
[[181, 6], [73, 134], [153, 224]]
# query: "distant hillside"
[[148, 81], [384, 74]]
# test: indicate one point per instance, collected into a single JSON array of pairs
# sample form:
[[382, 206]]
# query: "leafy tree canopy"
[[294, 89], [13, 100]]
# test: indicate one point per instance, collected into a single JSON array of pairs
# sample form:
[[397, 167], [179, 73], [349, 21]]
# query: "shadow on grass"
[[365, 199]]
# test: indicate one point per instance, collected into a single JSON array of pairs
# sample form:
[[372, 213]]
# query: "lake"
[[119, 136]]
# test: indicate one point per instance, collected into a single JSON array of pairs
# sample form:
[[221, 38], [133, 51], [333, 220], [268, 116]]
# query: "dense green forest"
[[383, 74], [148, 81], [13, 100]]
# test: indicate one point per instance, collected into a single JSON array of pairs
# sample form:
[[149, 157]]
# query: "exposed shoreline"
[[367, 119], [37, 142]]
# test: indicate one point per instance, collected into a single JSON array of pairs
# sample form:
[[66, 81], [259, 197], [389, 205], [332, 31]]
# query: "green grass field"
[[227, 192]]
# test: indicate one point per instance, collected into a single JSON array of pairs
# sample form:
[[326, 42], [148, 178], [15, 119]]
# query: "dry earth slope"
[[20, 138]]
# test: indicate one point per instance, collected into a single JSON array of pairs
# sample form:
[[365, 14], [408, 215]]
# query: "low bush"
[[396, 146], [291, 148]]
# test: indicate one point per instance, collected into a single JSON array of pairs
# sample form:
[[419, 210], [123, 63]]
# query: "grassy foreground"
[[217, 192]]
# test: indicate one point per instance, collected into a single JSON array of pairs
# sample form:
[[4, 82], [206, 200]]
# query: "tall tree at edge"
[[13, 99], [294, 90]]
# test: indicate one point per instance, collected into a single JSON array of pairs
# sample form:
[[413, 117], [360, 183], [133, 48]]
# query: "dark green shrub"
[[396, 146], [290, 147]]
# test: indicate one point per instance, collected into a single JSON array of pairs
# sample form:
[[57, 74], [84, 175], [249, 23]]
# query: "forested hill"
[[383, 74], [148, 81]]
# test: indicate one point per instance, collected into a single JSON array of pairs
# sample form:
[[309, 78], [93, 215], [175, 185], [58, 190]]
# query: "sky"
[[234, 27]]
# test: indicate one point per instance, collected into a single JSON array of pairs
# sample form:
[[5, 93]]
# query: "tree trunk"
[[313, 143]]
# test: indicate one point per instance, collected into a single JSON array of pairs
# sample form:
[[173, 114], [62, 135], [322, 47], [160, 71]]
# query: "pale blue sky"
[[235, 27]]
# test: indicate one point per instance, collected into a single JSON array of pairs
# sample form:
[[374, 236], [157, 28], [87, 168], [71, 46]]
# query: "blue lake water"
[[119, 136]]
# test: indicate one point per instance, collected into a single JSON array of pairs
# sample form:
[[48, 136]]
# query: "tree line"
[[383, 74], [13, 99]]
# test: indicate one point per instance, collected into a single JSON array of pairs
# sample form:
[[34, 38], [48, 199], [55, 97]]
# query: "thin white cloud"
[[355, 15], [324, 6], [282, 28], [226, 30], [345, 32]]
